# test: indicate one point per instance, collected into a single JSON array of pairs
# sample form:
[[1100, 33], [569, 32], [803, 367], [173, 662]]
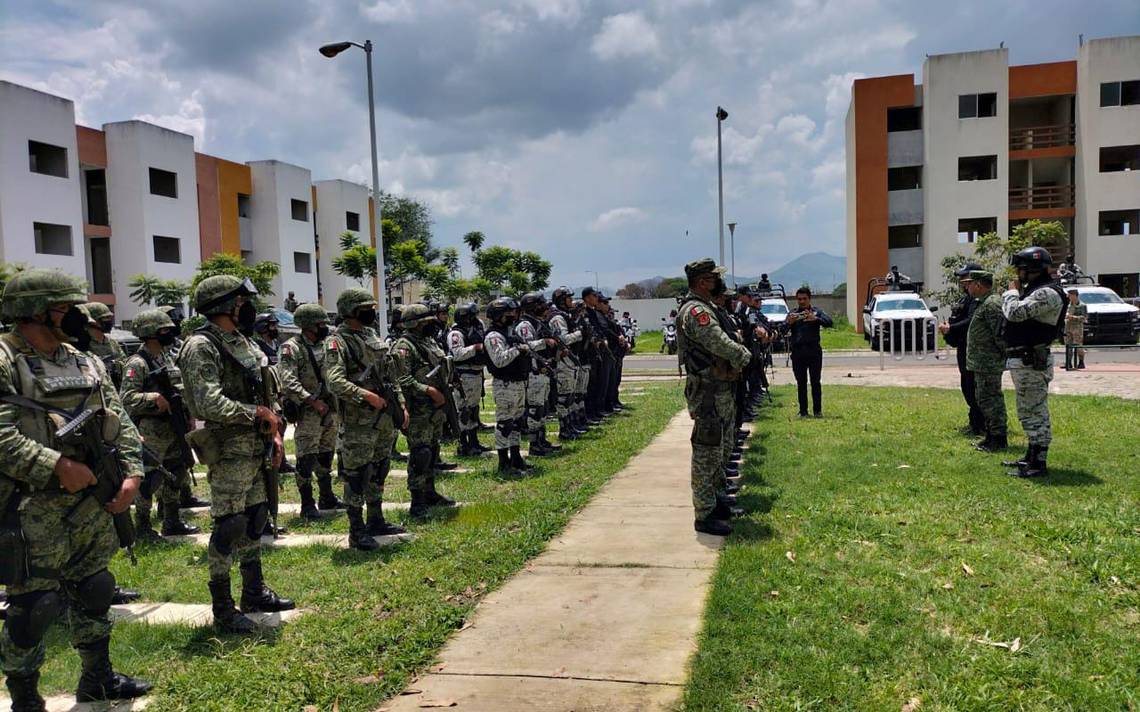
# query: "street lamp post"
[[330, 51], [595, 273], [721, 115], [732, 247]]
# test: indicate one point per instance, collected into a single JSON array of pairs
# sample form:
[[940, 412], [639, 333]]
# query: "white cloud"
[[568, 11], [830, 173], [626, 35], [388, 11], [618, 217], [190, 119]]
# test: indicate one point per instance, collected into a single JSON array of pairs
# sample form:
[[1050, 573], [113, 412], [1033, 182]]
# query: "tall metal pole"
[[381, 288], [732, 246], [719, 187]]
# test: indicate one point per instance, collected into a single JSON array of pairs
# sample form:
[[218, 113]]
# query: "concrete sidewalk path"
[[605, 619]]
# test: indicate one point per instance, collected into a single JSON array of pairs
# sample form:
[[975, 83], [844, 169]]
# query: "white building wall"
[[1098, 61], [335, 198], [133, 148], [27, 197], [946, 138], [276, 235]]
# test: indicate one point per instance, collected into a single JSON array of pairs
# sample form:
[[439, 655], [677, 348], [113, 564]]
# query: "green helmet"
[[148, 323], [217, 294], [350, 299], [416, 314], [98, 311], [308, 316], [31, 292]]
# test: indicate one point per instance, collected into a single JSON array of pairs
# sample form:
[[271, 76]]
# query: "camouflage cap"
[[98, 311], [966, 269], [352, 299], [704, 265], [980, 275], [308, 316], [32, 291], [149, 322], [87, 313]]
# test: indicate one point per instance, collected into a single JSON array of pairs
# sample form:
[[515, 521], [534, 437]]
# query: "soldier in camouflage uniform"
[[1033, 320], [358, 372], [1075, 318], [414, 355], [531, 329], [224, 376], [509, 363], [713, 362], [566, 374], [303, 384], [985, 357], [102, 345], [151, 412], [67, 535]]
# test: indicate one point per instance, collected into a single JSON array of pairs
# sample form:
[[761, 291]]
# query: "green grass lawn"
[[884, 561], [842, 336], [376, 619], [649, 342]]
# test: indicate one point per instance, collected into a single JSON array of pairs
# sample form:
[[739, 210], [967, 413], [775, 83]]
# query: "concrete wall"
[[276, 234], [27, 197], [334, 199], [905, 207], [904, 148]]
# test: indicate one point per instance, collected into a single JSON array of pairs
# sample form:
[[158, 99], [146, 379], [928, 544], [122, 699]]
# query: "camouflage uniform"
[[104, 347], [537, 385], [567, 373], [69, 538], [1075, 319], [1031, 385], [985, 356]]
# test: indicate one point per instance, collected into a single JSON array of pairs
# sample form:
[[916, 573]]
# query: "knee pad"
[[256, 518], [31, 614], [324, 459], [227, 529], [95, 592], [420, 458], [305, 464]]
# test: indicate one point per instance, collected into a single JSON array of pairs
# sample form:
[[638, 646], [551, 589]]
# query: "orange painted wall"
[[233, 178], [209, 219], [92, 146], [1048, 79], [872, 98]]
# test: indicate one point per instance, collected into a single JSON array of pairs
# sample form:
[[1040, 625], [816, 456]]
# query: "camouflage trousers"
[[237, 487], [566, 378], [157, 487], [537, 393], [313, 434], [510, 412], [425, 428], [365, 442], [581, 387], [1032, 390], [710, 406], [468, 398], [728, 428], [76, 549], [1075, 336], [987, 393]]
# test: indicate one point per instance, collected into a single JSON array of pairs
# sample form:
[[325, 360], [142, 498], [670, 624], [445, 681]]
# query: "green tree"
[[260, 274], [671, 287], [511, 272], [356, 261], [633, 290], [474, 240], [147, 290], [412, 220]]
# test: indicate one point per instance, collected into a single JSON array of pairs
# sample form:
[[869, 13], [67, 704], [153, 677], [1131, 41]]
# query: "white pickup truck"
[[895, 309], [1110, 320]]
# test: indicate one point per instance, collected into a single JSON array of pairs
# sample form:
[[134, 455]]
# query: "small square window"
[[987, 104], [352, 221], [1120, 222], [52, 239], [46, 159], [970, 229], [300, 210], [1130, 93], [164, 183], [167, 249], [1110, 94], [904, 178], [904, 118], [903, 236], [1115, 159], [302, 262], [967, 106]]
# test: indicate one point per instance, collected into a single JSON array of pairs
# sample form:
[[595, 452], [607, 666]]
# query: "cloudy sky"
[[583, 129]]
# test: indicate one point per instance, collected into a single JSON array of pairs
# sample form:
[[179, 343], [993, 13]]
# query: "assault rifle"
[[440, 379], [268, 472], [160, 377]]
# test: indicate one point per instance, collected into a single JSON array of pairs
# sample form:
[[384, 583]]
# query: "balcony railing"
[[1041, 198], [1042, 137]]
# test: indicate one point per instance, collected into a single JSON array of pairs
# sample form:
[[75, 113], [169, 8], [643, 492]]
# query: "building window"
[[96, 184], [977, 168], [1120, 93], [243, 205], [1114, 159], [905, 178], [1119, 222], [903, 236], [352, 221], [302, 262], [166, 249], [977, 106], [300, 210], [164, 183], [970, 229], [52, 239], [100, 252], [47, 159], [904, 118]]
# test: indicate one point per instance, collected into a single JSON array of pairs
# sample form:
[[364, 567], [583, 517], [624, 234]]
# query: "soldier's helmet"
[[149, 322], [32, 291], [264, 321], [416, 314], [532, 302], [396, 318], [1032, 258], [218, 294], [466, 312], [561, 295], [499, 307], [352, 299], [98, 311], [310, 316]]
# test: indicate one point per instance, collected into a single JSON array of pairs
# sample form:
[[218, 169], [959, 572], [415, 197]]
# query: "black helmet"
[[1032, 258], [497, 308], [467, 311], [533, 302], [560, 295], [264, 321]]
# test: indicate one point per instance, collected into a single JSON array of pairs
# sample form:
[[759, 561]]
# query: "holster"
[[205, 445]]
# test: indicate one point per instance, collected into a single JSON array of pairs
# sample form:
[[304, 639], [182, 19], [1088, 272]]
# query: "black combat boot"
[[986, 444], [308, 504], [1081, 362], [144, 530], [464, 449], [227, 618], [172, 524], [1036, 467], [539, 448], [420, 505], [25, 694], [505, 468], [124, 595], [434, 498], [358, 537], [377, 526], [256, 597], [731, 488], [518, 462], [546, 441], [476, 446], [328, 499], [565, 432], [98, 682], [1025, 459], [186, 498], [726, 509], [437, 462], [712, 525]]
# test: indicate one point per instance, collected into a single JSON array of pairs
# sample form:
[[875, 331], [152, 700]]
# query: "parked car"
[[890, 310], [775, 310], [1111, 320]]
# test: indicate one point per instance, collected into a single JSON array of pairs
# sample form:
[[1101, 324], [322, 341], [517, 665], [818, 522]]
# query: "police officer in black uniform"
[[954, 332]]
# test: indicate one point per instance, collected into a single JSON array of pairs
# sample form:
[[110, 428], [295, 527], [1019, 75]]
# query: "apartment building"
[[339, 206], [282, 219], [982, 146]]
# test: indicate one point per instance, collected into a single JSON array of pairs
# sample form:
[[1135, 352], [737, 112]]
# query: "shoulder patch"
[[703, 319], [131, 372], [333, 344], [694, 311]]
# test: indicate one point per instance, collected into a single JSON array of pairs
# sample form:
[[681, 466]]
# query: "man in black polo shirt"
[[807, 355]]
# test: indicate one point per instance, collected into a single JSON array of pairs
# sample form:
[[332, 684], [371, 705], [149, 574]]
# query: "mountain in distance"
[[818, 269]]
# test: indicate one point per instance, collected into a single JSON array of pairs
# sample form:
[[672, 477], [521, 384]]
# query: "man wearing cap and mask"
[[102, 344], [225, 378], [985, 358], [956, 333], [713, 362], [67, 536]]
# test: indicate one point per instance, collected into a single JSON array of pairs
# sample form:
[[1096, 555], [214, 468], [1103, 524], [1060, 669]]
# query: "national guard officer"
[[312, 406], [562, 325], [228, 385], [712, 363], [577, 310], [415, 355], [150, 411], [465, 346], [1034, 309], [65, 533], [956, 331], [532, 330], [985, 357], [1075, 318], [103, 345], [358, 372], [509, 363]]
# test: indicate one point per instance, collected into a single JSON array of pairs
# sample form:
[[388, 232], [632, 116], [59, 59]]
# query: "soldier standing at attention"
[[67, 535], [102, 345], [303, 384], [985, 358], [956, 332], [1034, 309], [224, 374], [509, 363], [358, 372], [566, 373], [151, 412], [1075, 318], [712, 363], [531, 330], [465, 345], [415, 355]]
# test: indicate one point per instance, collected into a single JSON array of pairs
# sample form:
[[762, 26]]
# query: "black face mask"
[[271, 334], [247, 317], [719, 288], [322, 332], [367, 317], [106, 326], [74, 324], [165, 338], [432, 328]]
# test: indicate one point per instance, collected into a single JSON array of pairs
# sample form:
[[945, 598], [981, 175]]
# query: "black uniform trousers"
[[977, 420], [807, 362]]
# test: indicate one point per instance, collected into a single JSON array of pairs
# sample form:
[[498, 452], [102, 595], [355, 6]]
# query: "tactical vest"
[[428, 357], [697, 360], [1031, 332], [541, 331], [517, 370], [576, 347], [472, 335], [168, 362], [242, 381], [365, 358]]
